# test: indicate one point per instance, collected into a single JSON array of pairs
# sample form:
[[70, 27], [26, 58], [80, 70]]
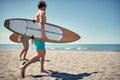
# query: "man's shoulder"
[[42, 12]]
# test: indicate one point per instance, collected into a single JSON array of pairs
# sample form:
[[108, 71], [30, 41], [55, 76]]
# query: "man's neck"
[[42, 9]]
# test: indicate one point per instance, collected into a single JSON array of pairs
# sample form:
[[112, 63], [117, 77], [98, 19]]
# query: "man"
[[25, 44], [40, 45]]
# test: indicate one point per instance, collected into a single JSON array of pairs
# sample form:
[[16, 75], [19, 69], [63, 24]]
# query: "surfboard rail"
[[67, 35]]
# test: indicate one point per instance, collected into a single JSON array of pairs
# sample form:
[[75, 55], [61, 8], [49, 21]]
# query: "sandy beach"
[[62, 65]]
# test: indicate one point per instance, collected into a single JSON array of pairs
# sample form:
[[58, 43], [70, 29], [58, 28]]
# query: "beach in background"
[[75, 62]]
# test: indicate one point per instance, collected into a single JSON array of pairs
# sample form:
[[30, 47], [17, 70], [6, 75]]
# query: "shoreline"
[[64, 65], [63, 50], [72, 47]]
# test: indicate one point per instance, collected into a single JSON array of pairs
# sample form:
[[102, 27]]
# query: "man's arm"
[[42, 23]]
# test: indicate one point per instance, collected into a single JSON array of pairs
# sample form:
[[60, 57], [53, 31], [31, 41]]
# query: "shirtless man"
[[24, 51], [40, 45]]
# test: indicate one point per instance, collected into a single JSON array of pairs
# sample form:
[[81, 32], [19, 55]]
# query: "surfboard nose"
[[6, 23], [76, 37]]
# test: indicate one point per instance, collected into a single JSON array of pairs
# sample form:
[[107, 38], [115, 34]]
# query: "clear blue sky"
[[96, 21]]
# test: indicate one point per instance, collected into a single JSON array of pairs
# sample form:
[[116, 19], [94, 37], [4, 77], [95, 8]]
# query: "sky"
[[96, 21]]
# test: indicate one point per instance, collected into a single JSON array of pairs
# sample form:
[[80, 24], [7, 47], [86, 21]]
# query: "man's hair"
[[41, 4]]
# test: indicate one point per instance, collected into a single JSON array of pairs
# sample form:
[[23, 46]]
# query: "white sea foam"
[[52, 48], [78, 48], [67, 48], [85, 48]]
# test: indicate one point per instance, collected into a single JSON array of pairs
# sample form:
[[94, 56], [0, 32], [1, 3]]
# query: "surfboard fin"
[[34, 21], [32, 37]]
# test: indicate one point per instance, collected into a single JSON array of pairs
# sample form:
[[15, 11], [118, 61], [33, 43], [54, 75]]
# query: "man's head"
[[42, 4]]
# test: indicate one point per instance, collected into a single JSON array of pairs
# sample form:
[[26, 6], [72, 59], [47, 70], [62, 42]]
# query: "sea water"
[[75, 47]]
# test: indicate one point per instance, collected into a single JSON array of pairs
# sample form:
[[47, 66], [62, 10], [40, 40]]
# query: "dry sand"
[[62, 65]]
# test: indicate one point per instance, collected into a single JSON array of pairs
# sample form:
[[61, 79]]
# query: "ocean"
[[67, 46]]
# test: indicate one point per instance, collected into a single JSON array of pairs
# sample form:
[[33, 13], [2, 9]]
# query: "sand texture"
[[62, 65]]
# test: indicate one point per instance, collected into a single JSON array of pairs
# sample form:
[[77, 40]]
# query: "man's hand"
[[44, 38]]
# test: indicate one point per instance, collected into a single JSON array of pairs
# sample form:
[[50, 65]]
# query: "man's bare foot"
[[20, 59], [22, 72], [44, 71], [25, 59]]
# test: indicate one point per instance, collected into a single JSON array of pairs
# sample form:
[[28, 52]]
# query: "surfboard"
[[14, 38], [31, 29]]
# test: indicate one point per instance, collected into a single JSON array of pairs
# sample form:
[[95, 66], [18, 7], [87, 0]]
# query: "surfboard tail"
[[6, 23]]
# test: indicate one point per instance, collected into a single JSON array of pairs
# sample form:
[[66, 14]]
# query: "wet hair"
[[41, 4]]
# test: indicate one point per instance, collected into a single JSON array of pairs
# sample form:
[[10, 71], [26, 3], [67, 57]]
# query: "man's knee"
[[25, 49]]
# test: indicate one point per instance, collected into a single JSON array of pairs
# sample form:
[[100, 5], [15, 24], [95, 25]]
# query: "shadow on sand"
[[65, 76]]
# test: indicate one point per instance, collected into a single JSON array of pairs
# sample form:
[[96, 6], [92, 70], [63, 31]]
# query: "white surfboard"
[[31, 28]]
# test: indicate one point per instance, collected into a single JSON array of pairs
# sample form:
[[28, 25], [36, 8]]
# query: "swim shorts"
[[27, 39], [39, 44]]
